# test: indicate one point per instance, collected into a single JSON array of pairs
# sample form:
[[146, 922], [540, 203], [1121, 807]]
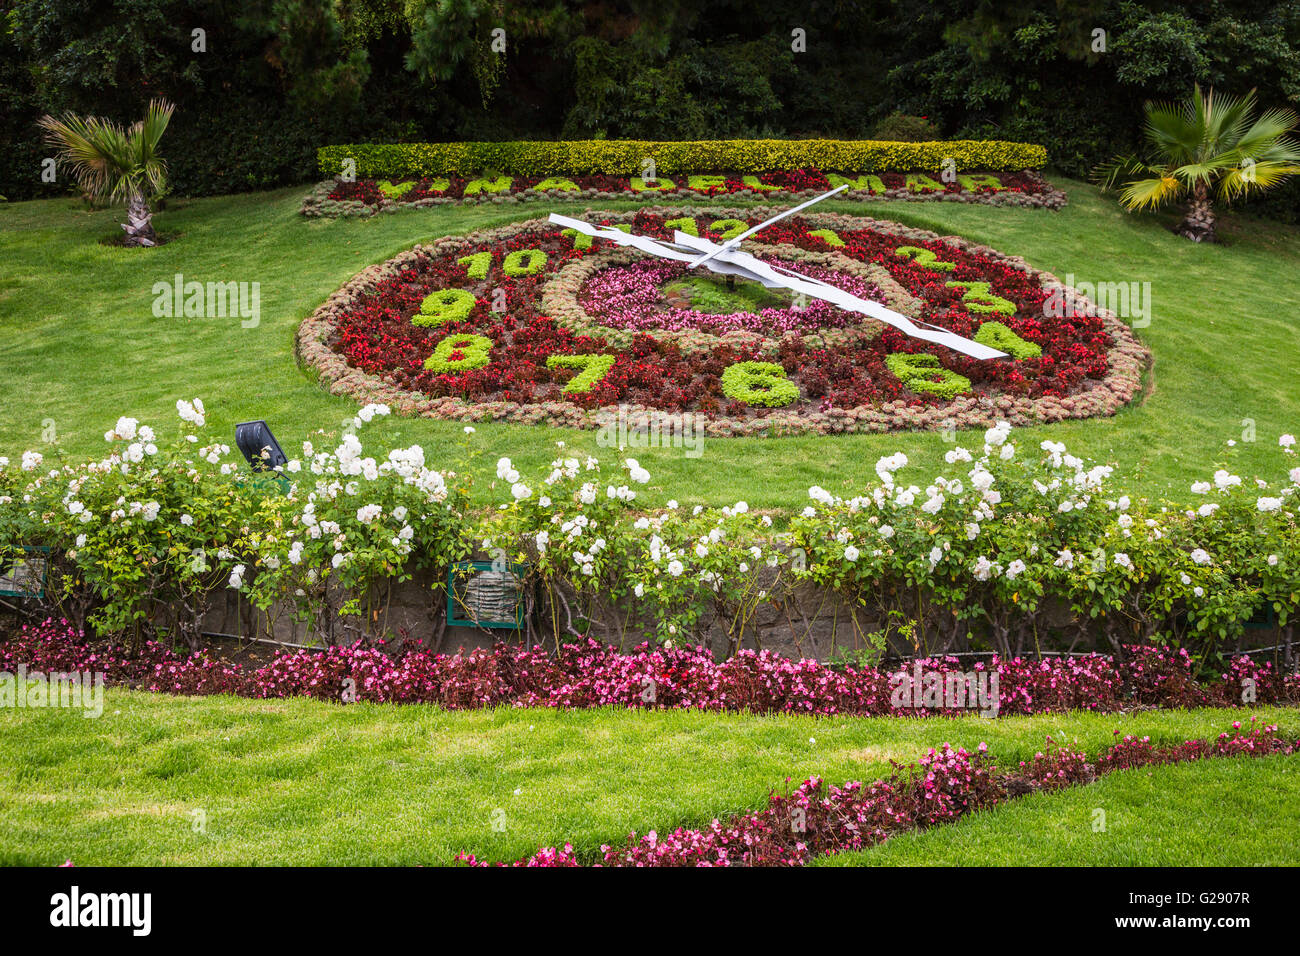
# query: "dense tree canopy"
[[266, 81]]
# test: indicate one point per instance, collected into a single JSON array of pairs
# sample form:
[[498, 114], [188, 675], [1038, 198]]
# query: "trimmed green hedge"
[[626, 157]]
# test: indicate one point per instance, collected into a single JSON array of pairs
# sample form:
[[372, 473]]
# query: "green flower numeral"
[[524, 262], [925, 258], [979, 298], [921, 183], [730, 228], [580, 239], [857, 182], [583, 241], [686, 225], [443, 306], [395, 191], [828, 236], [705, 183], [753, 182], [998, 336], [759, 383], [558, 182], [639, 185], [981, 181], [459, 353], [923, 373], [476, 265], [499, 185], [592, 370]]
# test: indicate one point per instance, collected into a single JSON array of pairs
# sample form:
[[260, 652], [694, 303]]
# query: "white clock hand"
[[732, 243], [735, 262]]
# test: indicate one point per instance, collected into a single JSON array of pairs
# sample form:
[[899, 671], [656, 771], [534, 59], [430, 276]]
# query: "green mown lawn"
[[305, 782], [80, 345], [1234, 812]]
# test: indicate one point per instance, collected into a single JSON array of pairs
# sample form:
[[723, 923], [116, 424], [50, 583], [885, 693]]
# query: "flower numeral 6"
[[759, 383]]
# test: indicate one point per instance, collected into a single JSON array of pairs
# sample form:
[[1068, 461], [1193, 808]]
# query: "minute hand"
[[732, 243]]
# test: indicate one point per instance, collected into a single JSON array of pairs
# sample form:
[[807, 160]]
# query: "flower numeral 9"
[[443, 306]]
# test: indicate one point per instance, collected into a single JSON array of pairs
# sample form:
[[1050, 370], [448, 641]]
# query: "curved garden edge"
[[942, 787], [317, 204], [1128, 359]]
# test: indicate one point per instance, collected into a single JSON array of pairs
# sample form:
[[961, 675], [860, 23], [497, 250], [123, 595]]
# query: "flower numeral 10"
[[477, 264]]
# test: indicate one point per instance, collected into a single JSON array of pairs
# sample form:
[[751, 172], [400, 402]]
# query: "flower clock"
[[882, 327]]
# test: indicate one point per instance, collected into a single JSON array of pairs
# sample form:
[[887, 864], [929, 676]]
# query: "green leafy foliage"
[[625, 157]]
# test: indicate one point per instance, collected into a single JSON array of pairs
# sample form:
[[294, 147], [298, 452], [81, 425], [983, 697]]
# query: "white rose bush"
[[1012, 549], [147, 533], [987, 548]]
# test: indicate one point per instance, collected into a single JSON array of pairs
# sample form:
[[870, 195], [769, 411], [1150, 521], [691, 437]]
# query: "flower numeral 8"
[[459, 353]]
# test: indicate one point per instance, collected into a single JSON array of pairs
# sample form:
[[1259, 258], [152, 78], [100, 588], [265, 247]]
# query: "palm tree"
[[115, 164], [1205, 148]]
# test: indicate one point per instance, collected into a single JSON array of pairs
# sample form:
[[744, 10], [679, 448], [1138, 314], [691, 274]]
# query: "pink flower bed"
[[594, 674], [943, 786], [630, 297]]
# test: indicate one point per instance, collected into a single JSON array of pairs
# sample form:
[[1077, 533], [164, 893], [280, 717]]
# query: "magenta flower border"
[[941, 787]]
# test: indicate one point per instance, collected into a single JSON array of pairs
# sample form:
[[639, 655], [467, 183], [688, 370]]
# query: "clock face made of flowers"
[[543, 322]]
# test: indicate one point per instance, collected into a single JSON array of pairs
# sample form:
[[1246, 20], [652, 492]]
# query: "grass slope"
[[1233, 812], [306, 782], [80, 346]]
